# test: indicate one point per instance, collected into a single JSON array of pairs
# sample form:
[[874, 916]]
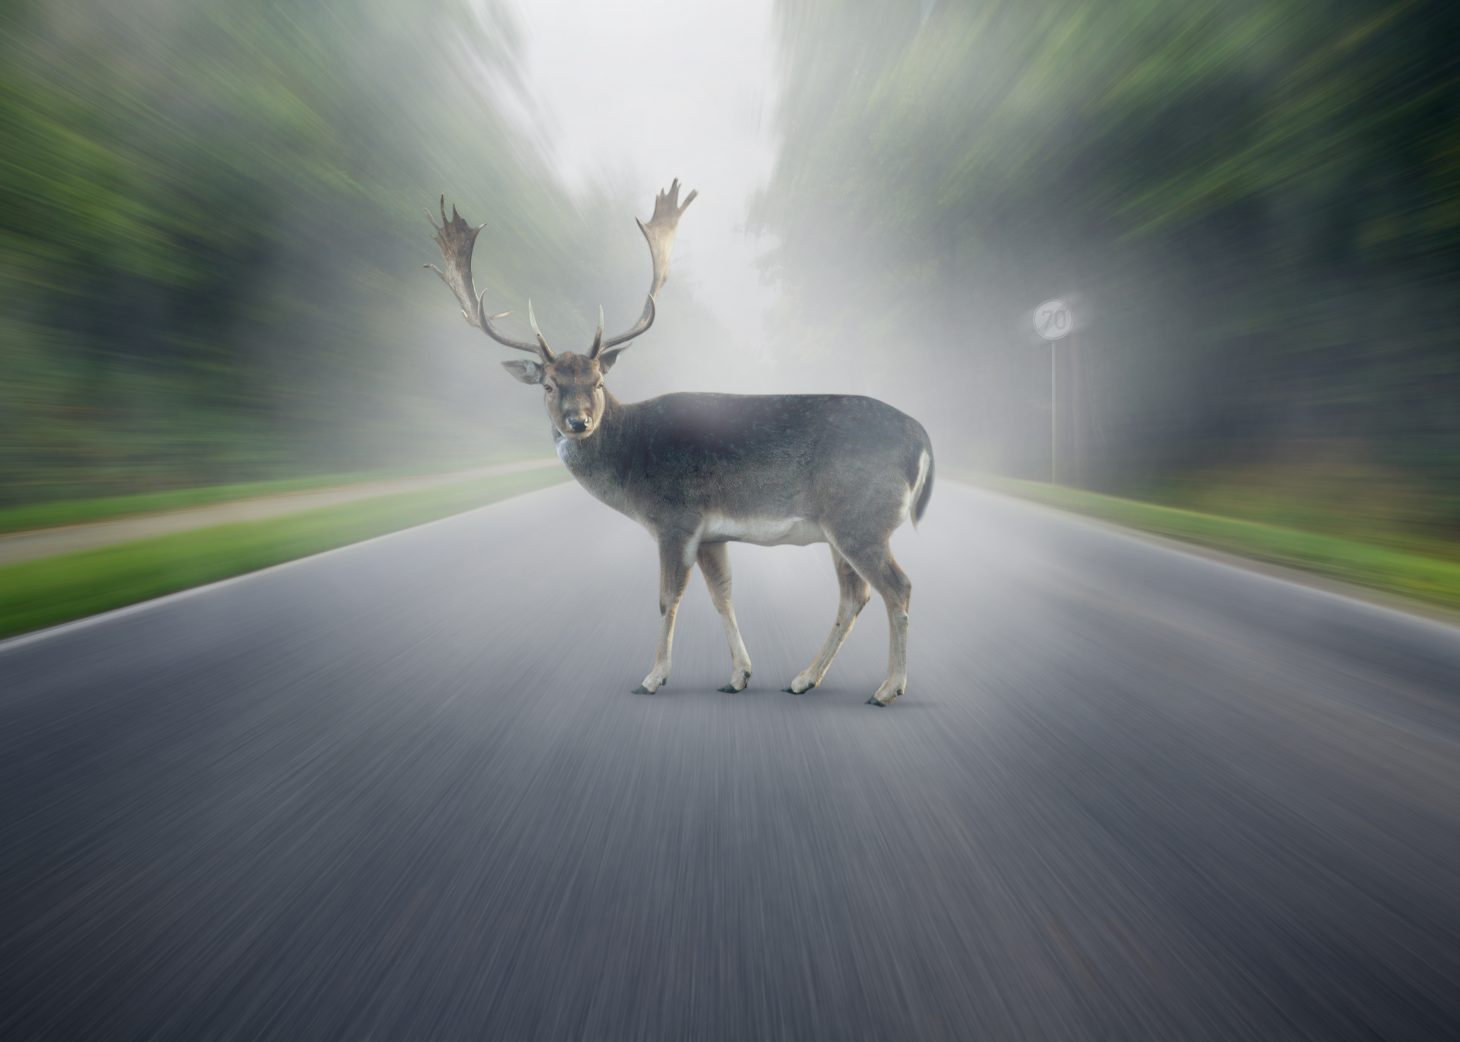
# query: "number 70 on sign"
[[1053, 321]]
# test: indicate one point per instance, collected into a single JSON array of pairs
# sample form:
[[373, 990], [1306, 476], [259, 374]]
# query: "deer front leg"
[[715, 564], [676, 558]]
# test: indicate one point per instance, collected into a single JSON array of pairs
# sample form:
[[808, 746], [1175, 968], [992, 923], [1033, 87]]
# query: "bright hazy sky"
[[633, 94]]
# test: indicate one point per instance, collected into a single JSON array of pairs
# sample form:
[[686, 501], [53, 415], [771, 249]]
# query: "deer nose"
[[577, 424]]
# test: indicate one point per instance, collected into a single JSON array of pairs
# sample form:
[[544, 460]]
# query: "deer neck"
[[601, 463]]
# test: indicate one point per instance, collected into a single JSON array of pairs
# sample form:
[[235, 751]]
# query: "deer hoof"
[[642, 690], [886, 699], [737, 683]]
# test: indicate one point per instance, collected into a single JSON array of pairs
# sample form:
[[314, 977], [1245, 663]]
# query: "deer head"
[[572, 384]]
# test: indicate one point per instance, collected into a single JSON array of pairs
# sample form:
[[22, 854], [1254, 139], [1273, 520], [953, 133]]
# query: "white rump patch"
[[924, 460]]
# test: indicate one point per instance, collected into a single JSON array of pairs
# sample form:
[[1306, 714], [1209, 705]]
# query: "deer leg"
[[676, 558], [715, 564], [854, 596], [874, 563]]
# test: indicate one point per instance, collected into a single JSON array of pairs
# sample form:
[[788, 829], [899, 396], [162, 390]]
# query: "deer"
[[702, 470]]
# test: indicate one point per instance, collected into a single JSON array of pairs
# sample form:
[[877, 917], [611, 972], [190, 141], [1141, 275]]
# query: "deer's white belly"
[[765, 531]]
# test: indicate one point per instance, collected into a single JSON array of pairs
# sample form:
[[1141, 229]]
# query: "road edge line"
[[21, 639], [1392, 604]]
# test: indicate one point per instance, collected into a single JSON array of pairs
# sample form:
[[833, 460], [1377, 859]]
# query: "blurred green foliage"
[[71, 586], [26, 517], [210, 234], [1254, 205], [1412, 572], [211, 237]]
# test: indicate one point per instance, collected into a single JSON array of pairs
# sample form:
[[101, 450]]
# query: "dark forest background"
[[211, 238], [1254, 206]]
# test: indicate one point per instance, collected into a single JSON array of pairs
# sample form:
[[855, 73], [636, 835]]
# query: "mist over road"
[[401, 791]]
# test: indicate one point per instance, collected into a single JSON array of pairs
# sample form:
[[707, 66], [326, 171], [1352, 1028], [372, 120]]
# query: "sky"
[[634, 95]]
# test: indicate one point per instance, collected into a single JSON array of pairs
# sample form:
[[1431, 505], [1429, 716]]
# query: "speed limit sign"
[[1052, 320]]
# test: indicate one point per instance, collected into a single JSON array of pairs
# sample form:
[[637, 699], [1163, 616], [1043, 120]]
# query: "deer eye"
[[549, 388]]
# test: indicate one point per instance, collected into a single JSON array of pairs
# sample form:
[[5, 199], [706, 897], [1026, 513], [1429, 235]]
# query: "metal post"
[[1075, 464], [1053, 322], [1054, 406]]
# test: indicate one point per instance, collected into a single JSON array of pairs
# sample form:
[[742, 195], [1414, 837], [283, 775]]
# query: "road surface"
[[402, 791]]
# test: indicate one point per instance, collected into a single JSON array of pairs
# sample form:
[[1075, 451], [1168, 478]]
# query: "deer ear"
[[527, 372], [607, 358]]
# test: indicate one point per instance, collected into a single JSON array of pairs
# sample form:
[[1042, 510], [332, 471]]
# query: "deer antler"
[[659, 233], [457, 239]]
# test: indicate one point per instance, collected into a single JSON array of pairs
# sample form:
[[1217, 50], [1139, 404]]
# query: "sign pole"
[[1076, 464], [1053, 322], [1054, 412]]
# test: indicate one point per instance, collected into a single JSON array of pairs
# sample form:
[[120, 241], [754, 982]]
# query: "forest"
[[211, 238], [1253, 206]]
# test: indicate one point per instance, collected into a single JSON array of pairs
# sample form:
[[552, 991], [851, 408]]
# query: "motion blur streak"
[[1254, 208], [210, 221], [402, 791], [1130, 794]]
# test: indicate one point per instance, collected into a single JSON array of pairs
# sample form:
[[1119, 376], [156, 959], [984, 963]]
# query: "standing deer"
[[702, 470]]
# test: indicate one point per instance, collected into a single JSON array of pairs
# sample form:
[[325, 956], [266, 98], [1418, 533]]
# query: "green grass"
[[79, 511], [41, 593], [1419, 576]]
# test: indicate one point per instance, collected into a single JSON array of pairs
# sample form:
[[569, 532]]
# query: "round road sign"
[[1053, 321]]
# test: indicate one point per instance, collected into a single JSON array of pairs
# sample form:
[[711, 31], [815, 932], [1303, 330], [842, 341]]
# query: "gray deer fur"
[[702, 470]]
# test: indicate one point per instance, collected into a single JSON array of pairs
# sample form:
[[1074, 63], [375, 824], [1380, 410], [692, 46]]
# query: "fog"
[[211, 260], [620, 99]]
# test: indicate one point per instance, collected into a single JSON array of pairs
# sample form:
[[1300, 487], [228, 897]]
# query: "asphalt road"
[[401, 791]]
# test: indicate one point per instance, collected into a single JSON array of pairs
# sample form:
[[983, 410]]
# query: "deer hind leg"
[[715, 564], [676, 558], [854, 596], [874, 562]]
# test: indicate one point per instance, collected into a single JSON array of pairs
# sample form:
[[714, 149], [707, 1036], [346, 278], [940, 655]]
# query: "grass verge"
[[1430, 579], [41, 593], [103, 508]]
